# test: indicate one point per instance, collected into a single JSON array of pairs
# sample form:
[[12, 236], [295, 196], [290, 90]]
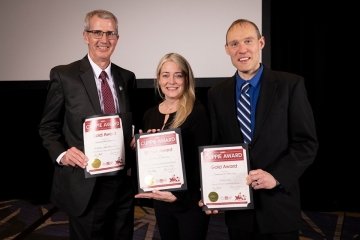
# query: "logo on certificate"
[[149, 180], [96, 163], [213, 196]]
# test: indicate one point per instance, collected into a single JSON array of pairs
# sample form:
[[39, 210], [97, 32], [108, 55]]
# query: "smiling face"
[[244, 46], [171, 80], [100, 50]]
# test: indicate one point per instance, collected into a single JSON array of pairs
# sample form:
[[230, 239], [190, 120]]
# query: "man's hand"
[[74, 157]]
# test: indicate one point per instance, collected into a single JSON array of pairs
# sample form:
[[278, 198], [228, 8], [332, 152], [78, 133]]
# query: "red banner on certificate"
[[160, 161], [223, 171], [104, 145]]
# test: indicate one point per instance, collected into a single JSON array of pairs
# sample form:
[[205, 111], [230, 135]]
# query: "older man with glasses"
[[100, 206]]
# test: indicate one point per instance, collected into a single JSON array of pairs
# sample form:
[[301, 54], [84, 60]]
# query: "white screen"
[[39, 34]]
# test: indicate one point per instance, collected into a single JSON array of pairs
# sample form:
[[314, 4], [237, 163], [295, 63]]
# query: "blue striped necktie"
[[244, 112]]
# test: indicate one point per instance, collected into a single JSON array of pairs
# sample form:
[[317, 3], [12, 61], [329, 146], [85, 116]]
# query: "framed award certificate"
[[160, 163], [223, 171], [104, 145]]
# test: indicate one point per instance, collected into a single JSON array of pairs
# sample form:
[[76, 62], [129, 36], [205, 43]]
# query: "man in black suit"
[[283, 136], [100, 207]]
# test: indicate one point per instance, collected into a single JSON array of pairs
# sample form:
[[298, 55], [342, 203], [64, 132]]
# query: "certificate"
[[223, 171], [160, 163], [103, 145]]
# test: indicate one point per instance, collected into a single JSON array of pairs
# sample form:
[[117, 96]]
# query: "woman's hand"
[[208, 212], [158, 195]]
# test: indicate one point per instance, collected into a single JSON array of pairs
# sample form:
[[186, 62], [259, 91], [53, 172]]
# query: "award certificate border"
[[214, 195], [182, 186], [110, 173]]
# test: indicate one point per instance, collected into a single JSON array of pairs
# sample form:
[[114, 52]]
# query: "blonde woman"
[[178, 214]]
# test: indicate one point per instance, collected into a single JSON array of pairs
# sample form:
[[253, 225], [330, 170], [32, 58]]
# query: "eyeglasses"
[[98, 34]]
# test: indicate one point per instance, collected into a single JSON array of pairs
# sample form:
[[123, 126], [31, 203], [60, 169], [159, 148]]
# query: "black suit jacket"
[[73, 96], [284, 144]]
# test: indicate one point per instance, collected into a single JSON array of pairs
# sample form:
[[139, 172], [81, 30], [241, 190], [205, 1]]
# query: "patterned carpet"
[[22, 220]]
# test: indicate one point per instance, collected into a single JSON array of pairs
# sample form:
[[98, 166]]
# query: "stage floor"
[[20, 219]]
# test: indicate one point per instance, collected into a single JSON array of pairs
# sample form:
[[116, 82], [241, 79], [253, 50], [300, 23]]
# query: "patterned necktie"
[[108, 99], [244, 112]]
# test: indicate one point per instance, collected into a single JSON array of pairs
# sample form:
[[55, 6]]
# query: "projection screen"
[[40, 34]]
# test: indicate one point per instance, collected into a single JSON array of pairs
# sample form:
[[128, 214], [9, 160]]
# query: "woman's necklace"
[[169, 108]]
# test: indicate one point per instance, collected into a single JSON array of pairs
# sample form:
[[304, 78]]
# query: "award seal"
[[213, 196], [149, 180], [96, 163]]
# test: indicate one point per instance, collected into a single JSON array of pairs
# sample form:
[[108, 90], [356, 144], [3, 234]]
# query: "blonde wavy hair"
[[187, 100]]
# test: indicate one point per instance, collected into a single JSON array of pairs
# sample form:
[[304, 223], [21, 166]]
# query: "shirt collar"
[[254, 81], [97, 70]]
